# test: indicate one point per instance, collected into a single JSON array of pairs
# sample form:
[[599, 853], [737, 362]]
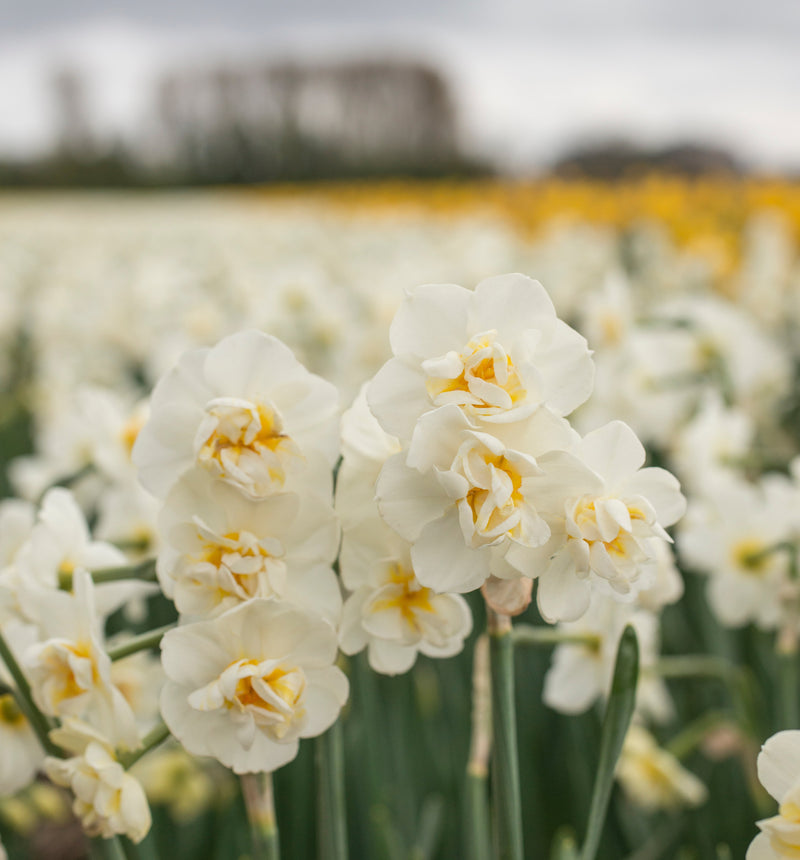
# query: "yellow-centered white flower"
[[108, 800], [70, 672], [221, 548], [498, 353], [652, 777], [246, 685], [389, 611], [464, 497], [246, 410], [605, 513]]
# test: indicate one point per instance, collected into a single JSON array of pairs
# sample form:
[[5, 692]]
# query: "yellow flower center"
[[245, 444], [483, 378], [130, 431], [412, 599], [749, 557], [275, 698]]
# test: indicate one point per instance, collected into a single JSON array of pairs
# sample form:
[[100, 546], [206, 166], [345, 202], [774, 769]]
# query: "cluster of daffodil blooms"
[[475, 458]]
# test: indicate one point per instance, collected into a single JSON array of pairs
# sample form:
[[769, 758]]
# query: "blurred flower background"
[[174, 173]]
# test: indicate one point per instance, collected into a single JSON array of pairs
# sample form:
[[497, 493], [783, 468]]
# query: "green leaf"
[[619, 711]]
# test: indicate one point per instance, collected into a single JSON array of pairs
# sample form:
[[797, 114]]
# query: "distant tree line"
[[262, 122]]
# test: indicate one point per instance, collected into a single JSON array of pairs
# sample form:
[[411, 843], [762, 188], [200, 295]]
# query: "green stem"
[[505, 762], [151, 639], [106, 849], [156, 736], [260, 803], [478, 844], [331, 809], [788, 691], [736, 678], [145, 571], [40, 724], [695, 733], [528, 634]]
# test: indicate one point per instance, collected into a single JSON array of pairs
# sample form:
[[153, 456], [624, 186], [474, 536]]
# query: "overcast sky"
[[529, 77]]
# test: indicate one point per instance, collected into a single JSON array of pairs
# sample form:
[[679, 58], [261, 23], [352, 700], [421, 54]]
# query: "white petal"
[[779, 763], [397, 397], [613, 451], [560, 594], [431, 321], [443, 562], [407, 500]]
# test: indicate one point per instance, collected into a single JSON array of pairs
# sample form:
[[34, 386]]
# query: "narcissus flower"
[[70, 672], [498, 353], [464, 497], [779, 772], [108, 800], [604, 523], [731, 532], [58, 544], [245, 410], [221, 548], [653, 778], [389, 611], [246, 685], [581, 672]]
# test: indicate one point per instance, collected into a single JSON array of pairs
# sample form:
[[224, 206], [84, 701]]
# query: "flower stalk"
[[506, 802], [40, 724], [259, 800], [156, 736], [331, 809], [479, 753], [151, 639], [145, 571]]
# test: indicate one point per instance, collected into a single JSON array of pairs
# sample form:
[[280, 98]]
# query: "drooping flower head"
[[108, 800]]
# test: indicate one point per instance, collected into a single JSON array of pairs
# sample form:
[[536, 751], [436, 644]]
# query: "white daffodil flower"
[[70, 672], [779, 773], [581, 672], [221, 548], [603, 522], [713, 442], [108, 800], [498, 353], [463, 497], [245, 686], [22, 752], [730, 533], [653, 778], [60, 543], [16, 523], [388, 612], [246, 410]]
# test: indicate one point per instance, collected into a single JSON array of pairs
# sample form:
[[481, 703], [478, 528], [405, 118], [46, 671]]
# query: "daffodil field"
[[401, 522]]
